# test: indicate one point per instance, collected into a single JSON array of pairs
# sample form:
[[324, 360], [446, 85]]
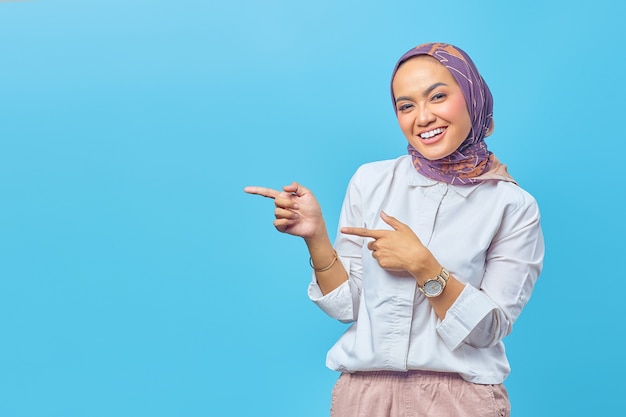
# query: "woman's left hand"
[[399, 249]]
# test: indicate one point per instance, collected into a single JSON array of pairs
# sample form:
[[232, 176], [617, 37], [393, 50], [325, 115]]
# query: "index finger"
[[262, 191], [363, 232]]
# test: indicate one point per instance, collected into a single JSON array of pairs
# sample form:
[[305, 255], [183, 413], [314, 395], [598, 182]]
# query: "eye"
[[438, 96], [404, 106]]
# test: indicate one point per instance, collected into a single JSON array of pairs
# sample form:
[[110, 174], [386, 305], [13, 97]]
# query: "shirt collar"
[[418, 180]]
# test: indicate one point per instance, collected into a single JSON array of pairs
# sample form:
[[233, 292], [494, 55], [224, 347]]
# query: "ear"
[[490, 130]]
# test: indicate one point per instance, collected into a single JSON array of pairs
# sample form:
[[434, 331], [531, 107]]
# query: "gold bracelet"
[[335, 256]]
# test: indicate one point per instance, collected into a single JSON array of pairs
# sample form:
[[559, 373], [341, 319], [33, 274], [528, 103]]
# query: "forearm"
[[329, 271], [441, 303]]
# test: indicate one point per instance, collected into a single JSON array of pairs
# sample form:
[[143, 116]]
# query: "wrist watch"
[[434, 286]]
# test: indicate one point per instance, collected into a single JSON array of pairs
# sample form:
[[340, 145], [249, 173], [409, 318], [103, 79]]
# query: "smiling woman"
[[437, 254], [430, 107]]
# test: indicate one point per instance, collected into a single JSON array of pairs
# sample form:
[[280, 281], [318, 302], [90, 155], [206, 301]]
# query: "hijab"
[[472, 162]]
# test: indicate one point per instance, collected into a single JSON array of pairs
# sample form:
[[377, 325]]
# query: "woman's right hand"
[[297, 210]]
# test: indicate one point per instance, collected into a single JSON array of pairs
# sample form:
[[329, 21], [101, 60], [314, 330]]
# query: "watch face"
[[432, 288]]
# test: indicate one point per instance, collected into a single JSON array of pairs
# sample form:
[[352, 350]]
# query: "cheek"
[[406, 124], [458, 108]]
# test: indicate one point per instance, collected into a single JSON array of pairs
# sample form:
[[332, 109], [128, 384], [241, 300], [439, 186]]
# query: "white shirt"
[[487, 236]]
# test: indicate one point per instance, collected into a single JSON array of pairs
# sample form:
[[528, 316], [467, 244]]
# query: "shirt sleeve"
[[342, 303], [482, 317]]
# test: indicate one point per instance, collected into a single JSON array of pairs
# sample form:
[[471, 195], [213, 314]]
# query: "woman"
[[437, 253]]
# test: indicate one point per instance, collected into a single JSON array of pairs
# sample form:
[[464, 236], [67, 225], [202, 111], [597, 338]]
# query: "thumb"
[[391, 221], [296, 188]]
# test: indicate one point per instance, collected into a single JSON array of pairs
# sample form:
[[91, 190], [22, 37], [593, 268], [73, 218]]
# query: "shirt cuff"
[[464, 315], [337, 303]]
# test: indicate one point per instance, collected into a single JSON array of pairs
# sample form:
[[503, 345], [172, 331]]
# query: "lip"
[[435, 138]]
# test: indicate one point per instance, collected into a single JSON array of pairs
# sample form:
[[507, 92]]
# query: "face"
[[431, 107]]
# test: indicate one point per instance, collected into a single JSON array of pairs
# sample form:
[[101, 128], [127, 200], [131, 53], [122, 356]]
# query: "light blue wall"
[[136, 277]]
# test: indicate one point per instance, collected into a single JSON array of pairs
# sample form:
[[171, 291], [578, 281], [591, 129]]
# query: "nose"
[[424, 116]]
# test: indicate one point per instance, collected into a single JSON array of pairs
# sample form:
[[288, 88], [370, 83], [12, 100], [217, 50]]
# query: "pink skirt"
[[416, 394]]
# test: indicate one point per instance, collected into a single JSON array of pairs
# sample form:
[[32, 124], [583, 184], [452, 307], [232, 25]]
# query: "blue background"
[[136, 277]]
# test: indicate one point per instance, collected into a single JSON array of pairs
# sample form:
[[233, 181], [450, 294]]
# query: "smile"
[[431, 133]]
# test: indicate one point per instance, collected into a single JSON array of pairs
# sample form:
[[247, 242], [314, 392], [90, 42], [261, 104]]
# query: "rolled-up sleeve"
[[342, 302], [463, 317]]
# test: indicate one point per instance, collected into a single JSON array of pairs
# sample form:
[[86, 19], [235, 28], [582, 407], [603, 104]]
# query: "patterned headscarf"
[[472, 160]]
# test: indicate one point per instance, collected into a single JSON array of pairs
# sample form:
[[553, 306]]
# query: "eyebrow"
[[425, 93]]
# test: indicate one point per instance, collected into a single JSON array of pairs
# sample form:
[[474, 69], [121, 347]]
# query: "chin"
[[432, 156]]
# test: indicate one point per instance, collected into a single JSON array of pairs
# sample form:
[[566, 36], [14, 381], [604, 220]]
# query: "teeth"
[[432, 133]]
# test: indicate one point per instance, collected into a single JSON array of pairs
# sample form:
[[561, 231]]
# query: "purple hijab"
[[471, 159]]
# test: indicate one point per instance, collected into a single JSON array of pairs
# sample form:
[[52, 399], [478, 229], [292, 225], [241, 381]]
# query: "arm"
[[401, 250], [482, 317], [298, 213]]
